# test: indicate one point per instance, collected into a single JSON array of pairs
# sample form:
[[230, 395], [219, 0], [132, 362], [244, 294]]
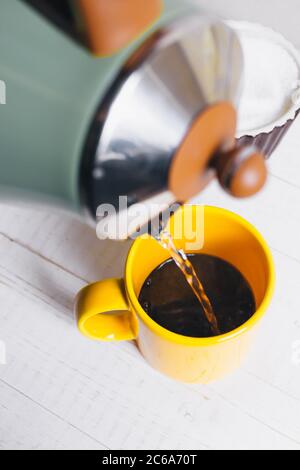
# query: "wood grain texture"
[[61, 391]]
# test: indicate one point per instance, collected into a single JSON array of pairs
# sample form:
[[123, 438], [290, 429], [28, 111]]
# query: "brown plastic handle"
[[112, 24], [242, 172]]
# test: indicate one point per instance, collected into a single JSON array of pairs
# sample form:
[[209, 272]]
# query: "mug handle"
[[102, 312]]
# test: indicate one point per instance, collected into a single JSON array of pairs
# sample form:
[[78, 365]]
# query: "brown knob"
[[241, 172], [113, 24]]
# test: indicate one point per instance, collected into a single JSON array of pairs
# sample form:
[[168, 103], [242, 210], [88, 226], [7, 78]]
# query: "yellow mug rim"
[[212, 341]]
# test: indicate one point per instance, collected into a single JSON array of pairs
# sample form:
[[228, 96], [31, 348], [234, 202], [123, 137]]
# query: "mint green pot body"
[[53, 88]]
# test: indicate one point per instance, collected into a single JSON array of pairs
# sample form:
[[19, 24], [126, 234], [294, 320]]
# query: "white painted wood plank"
[[107, 390], [127, 405], [92, 386], [65, 241], [69, 392], [263, 402], [26, 425], [285, 162], [274, 360], [268, 385], [275, 212], [52, 286]]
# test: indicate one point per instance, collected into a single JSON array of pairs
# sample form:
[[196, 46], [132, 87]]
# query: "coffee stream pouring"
[[154, 120]]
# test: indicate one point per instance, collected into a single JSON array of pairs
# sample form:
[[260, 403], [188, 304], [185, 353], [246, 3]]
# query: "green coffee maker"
[[118, 98]]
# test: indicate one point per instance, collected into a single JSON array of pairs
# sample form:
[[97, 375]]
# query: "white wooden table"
[[60, 390]]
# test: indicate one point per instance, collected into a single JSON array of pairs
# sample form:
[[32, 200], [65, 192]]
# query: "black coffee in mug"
[[169, 300]]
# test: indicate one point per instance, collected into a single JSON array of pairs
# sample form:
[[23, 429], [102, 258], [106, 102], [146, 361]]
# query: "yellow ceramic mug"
[[109, 310]]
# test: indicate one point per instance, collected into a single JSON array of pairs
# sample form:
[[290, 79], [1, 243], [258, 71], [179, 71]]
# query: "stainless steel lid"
[[184, 69]]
